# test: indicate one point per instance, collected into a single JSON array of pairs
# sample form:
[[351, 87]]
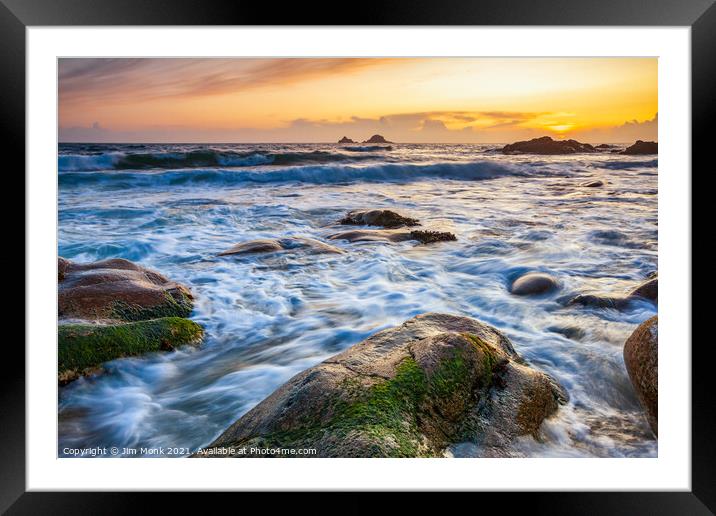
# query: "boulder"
[[345, 139], [533, 283], [647, 290], [376, 138], [546, 145], [642, 147], [641, 355], [601, 301], [408, 391], [307, 245], [118, 289], [82, 348], [384, 218], [393, 235]]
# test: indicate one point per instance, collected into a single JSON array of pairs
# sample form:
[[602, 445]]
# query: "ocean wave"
[[322, 174], [627, 165], [118, 160]]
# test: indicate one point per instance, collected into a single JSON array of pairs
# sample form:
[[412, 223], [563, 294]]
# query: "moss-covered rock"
[[118, 289], [82, 348], [408, 391]]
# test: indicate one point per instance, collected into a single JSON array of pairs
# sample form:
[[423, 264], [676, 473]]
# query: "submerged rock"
[[647, 290], [408, 391], [641, 356], [384, 218], [393, 235], [308, 245], [429, 237], [546, 145], [642, 147], [118, 289], [533, 283], [593, 184], [82, 348], [345, 139], [376, 138]]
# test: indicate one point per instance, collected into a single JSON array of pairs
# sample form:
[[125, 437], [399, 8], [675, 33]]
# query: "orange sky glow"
[[440, 100]]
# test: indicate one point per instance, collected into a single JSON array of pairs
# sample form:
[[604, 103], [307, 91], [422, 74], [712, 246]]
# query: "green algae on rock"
[[82, 348], [409, 391]]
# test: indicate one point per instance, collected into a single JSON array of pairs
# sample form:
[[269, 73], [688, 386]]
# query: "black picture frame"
[[700, 15]]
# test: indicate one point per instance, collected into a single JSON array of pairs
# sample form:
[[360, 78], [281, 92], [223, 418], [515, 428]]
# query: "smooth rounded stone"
[[641, 356], [647, 290], [546, 145], [408, 391], [593, 184], [533, 283], [82, 348], [118, 289], [384, 218], [308, 245], [642, 147]]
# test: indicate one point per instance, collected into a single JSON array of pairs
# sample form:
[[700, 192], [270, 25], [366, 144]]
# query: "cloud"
[[629, 131], [116, 80]]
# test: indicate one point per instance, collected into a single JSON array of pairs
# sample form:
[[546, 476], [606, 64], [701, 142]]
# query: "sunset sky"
[[455, 100]]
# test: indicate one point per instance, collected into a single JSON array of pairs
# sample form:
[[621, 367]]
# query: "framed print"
[[418, 252]]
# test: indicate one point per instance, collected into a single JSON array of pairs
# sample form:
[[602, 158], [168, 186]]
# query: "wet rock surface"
[[641, 356], [408, 391], [546, 145], [297, 244]]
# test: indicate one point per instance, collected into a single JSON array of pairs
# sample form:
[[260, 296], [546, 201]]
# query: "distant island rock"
[[345, 139], [376, 138], [546, 145], [641, 147]]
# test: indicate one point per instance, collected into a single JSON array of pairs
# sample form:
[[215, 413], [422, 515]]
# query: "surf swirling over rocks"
[[290, 265]]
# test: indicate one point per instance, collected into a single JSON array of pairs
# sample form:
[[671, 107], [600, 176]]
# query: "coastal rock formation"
[[604, 146], [642, 147], [376, 138], [384, 218], [533, 283], [641, 356], [115, 308], [546, 145], [118, 289], [307, 245], [82, 348], [345, 139], [408, 391], [393, 235]]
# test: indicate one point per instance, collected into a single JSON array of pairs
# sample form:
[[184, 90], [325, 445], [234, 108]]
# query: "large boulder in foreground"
[[546, 145], [115, 308], [641, 356], [383, 218], [642, 147], [118, 289], [408, 391], [82, 348]]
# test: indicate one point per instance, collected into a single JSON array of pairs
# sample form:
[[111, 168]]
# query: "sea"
[[267, 317]]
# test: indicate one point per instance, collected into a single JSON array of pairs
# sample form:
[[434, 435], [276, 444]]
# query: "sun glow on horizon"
[[319, 100]]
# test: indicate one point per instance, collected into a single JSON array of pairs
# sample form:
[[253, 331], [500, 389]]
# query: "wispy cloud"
[[116, 80]]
